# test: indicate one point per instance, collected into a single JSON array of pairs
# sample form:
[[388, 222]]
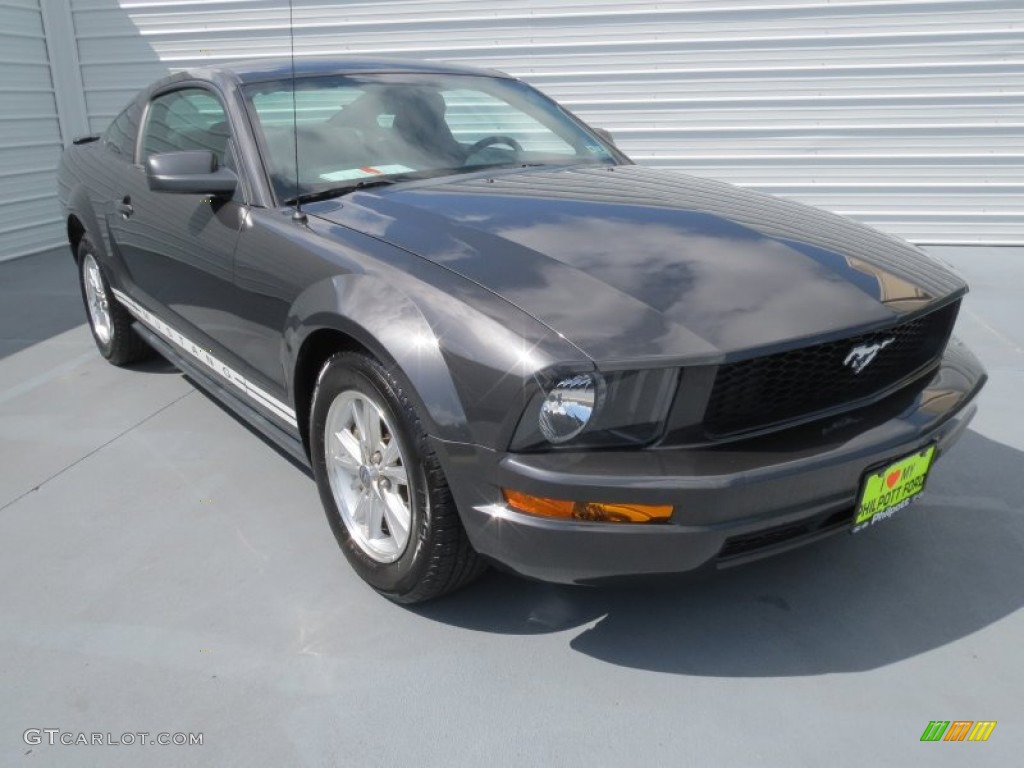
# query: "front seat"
[[419, 121]]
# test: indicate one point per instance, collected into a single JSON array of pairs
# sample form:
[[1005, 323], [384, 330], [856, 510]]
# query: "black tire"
[[438, 557], [124, 345]]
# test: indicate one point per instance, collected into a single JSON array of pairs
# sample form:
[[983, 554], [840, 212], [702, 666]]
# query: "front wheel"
[[381, 484]]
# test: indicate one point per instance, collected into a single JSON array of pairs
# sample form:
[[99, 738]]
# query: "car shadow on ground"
[[303, 468], [154, 364], [940, 570]]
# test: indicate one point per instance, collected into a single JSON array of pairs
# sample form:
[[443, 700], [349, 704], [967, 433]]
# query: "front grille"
[[795, 386]]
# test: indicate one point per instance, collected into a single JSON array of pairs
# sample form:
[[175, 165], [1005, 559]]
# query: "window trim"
[[259, 142], [144, 125]]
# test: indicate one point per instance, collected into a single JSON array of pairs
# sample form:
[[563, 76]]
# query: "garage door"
[[30, 140], [906, 114]]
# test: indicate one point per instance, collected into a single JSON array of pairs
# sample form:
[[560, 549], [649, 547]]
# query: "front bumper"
[[733, 503]]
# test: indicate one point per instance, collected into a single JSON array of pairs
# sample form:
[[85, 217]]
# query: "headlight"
[[585, 410], [567, 409]]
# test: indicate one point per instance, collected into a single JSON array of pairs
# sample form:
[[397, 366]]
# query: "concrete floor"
[[39, 298], [162, 569]]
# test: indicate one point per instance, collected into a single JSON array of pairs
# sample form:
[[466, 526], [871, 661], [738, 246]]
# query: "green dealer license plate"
[[886, 491]]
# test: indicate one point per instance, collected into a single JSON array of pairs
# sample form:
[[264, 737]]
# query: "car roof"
[[259, 70]]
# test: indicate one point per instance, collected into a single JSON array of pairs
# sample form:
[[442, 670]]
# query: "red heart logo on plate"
[[893, 478]]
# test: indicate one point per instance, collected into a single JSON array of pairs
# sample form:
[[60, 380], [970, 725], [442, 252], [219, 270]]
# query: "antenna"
[[298, 215]]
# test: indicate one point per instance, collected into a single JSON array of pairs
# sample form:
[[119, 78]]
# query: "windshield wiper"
[[345, 189], [516, 164], [332, 192]]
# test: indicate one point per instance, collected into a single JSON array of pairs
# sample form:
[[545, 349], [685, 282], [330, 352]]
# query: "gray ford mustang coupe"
[[495, 339]]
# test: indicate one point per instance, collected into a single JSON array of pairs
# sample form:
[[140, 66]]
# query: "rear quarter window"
[[120, 135]]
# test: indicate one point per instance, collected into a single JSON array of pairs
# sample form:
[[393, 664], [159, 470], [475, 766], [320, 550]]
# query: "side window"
[[191, 118], [120, 134]]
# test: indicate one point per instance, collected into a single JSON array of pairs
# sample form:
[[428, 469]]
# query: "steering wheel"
[[487, 141]]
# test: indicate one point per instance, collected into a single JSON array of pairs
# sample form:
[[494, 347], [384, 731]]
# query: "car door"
[[178, 249]]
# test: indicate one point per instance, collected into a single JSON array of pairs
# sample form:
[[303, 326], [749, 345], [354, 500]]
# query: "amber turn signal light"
[[587, 510]]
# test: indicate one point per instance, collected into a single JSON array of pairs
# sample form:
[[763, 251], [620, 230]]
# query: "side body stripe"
[[282, 410]]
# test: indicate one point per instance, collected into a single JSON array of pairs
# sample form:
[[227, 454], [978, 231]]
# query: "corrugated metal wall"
[[30, 139], [907, 114]]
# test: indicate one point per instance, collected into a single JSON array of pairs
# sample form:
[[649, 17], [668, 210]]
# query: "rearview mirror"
[[193, 171]]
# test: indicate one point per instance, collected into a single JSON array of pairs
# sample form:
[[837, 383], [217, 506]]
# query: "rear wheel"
[[383, 490], [110, 323]]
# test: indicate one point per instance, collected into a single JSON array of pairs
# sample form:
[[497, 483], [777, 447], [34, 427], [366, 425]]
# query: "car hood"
[[637, 264]]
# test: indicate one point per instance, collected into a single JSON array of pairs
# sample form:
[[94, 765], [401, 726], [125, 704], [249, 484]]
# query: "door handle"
[[125, 208]]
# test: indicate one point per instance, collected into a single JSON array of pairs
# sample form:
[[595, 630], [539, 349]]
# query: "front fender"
[[465, 356], [393, 329]]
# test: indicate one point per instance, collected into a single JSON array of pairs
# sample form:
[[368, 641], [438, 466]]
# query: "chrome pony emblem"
[[860, 357]]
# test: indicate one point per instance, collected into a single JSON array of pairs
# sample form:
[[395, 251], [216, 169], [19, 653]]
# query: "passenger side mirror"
[[193, 171], [606, 135]]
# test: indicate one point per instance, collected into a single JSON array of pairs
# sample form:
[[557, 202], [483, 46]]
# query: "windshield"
[[373, 128]]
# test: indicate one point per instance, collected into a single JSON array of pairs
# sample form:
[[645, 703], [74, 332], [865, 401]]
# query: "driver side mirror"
[[605, 135], [193, 171]]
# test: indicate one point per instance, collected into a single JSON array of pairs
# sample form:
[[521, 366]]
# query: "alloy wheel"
[[368, 475], [96, 299]]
